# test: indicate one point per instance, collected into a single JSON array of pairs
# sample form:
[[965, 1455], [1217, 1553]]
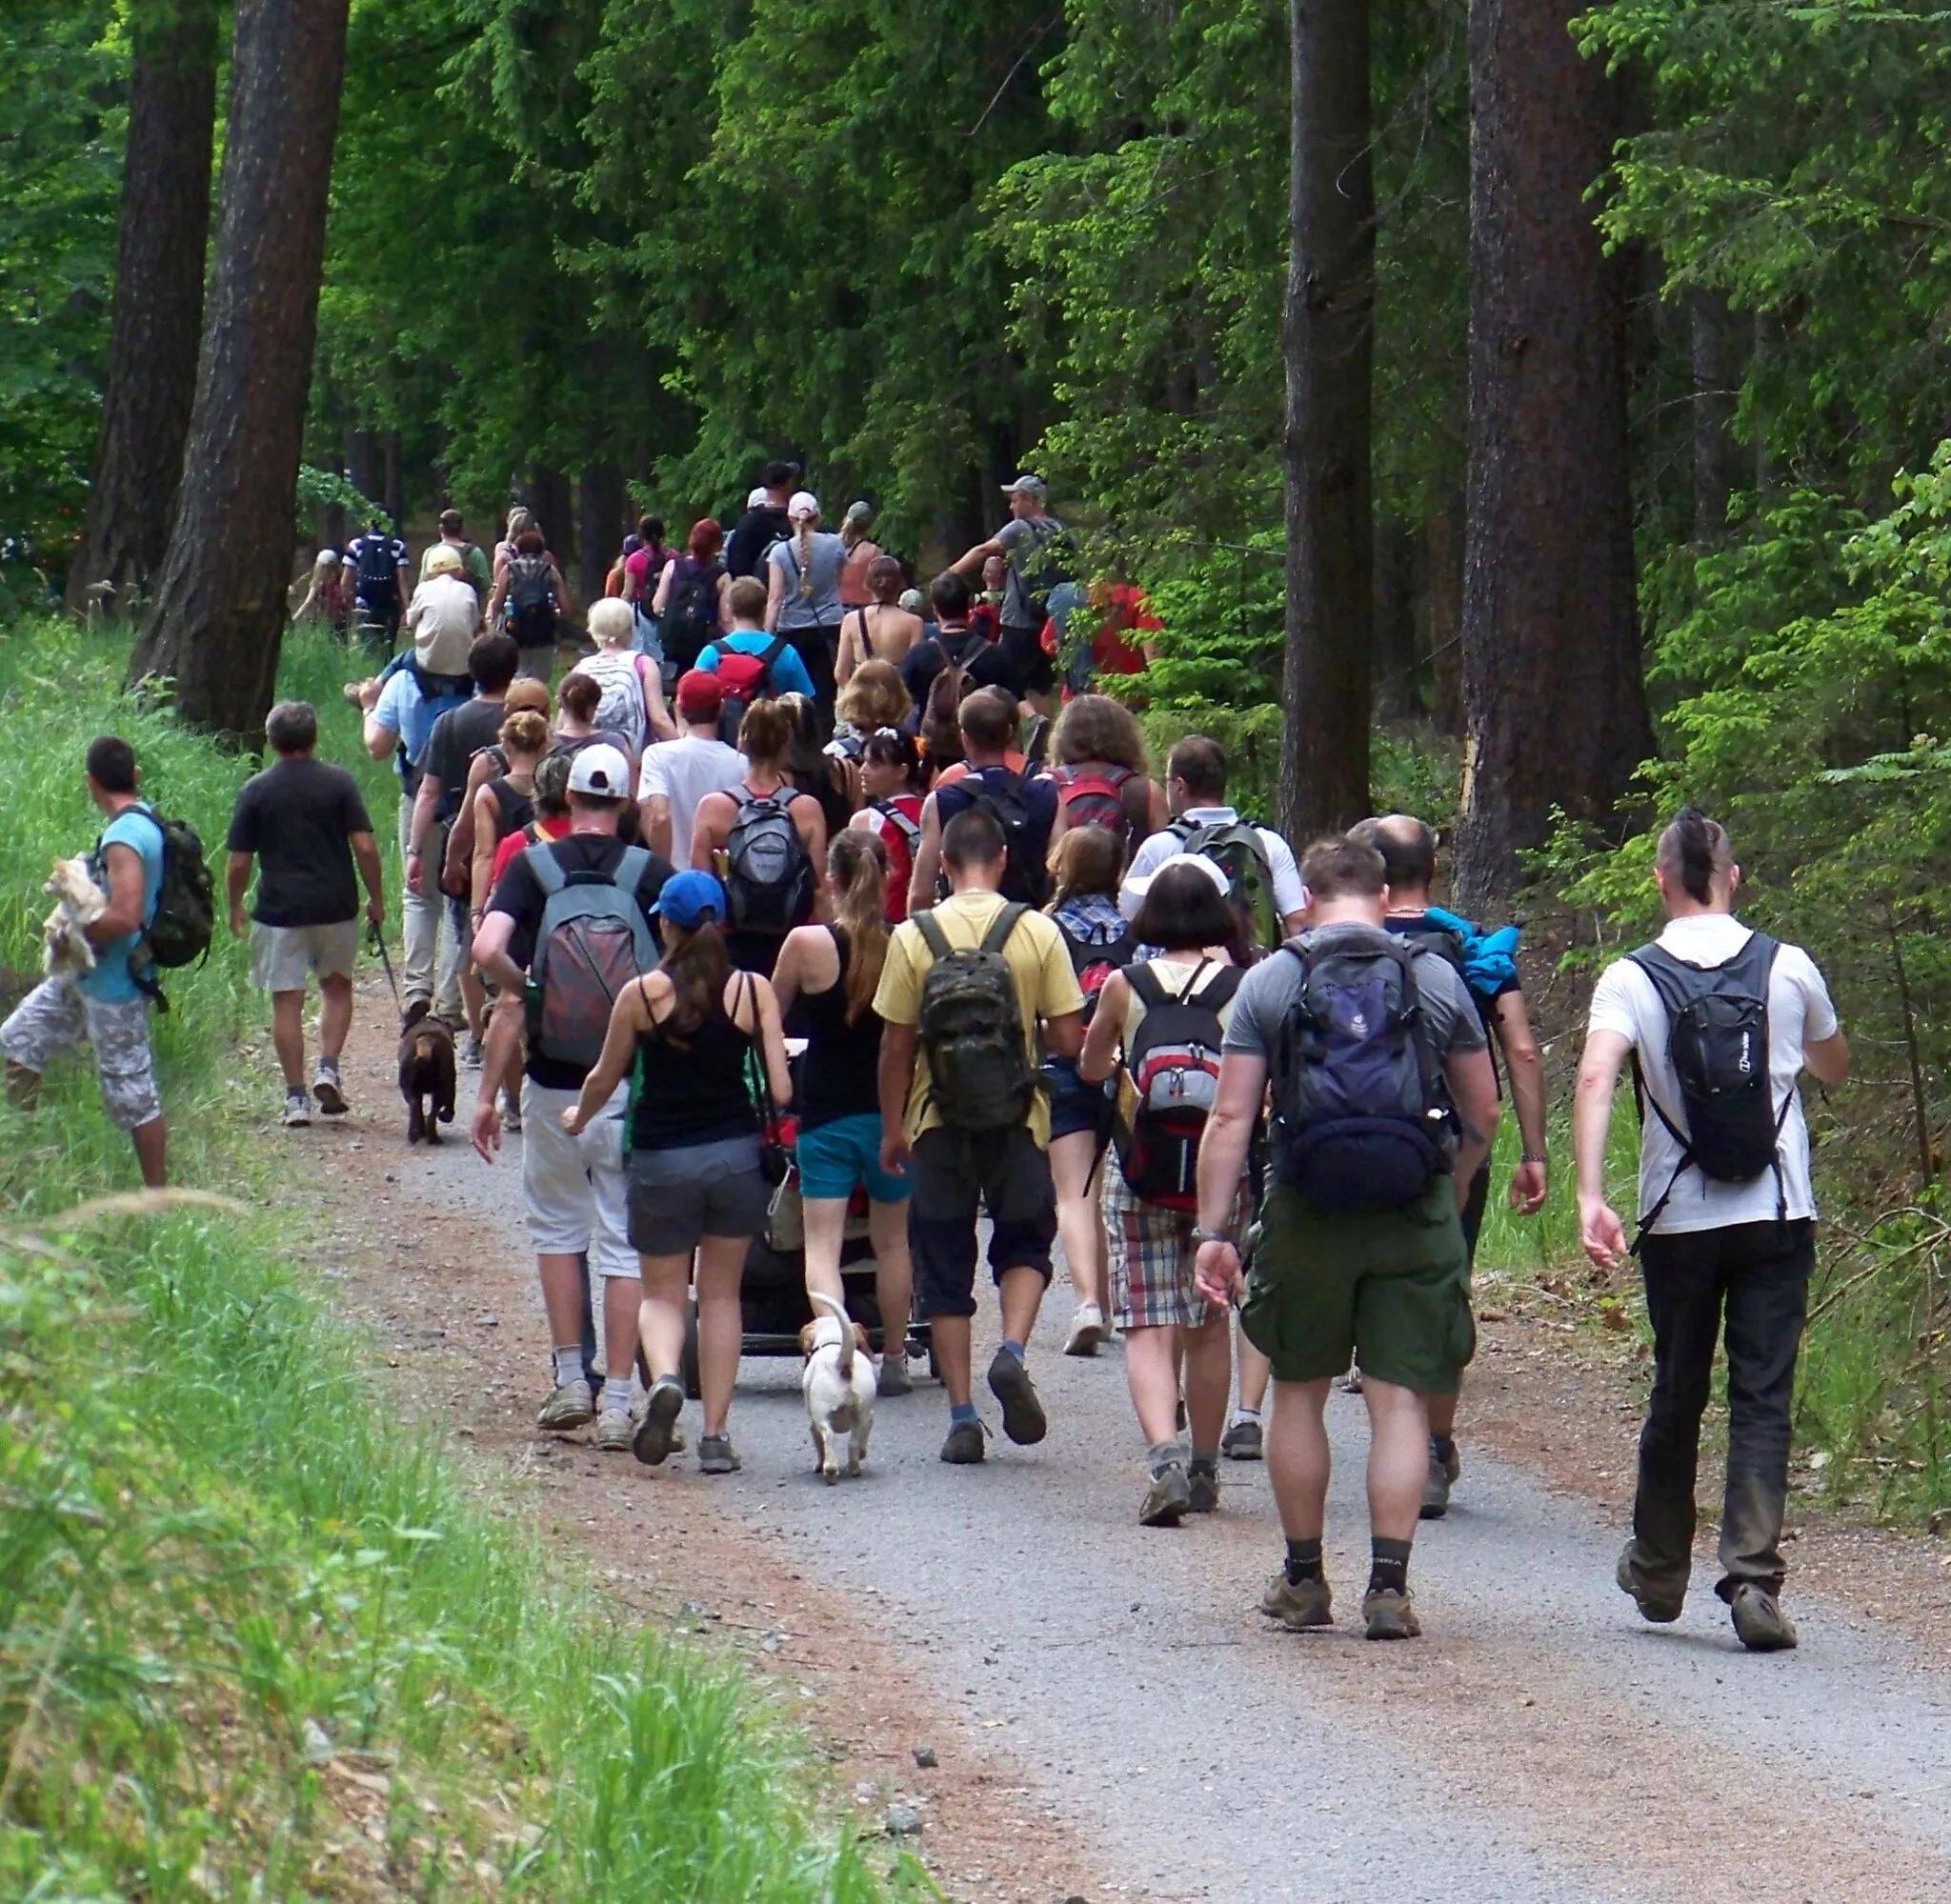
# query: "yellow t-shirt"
[[1037, 959]]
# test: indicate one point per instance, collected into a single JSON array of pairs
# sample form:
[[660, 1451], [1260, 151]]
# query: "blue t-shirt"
[[402, 709], [109, 981], [789, 672]]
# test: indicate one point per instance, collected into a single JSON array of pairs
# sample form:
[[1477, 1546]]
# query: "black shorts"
[[1474, 1209], [1032, 671], [1007, 1173]]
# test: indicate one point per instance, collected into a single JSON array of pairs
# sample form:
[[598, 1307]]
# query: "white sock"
[[569, 1365], [617, 1395], [1246, 1415]]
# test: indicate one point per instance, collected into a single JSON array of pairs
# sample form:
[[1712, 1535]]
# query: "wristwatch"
[[1213, 1235]]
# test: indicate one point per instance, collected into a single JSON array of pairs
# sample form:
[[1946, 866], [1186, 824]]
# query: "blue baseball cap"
[[688, 899]]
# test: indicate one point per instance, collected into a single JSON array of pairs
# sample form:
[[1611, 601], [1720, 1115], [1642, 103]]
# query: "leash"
[[378, 945]]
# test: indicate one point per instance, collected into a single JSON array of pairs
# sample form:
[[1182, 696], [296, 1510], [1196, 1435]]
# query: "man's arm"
[[1290, 895], [1525, 1069], [420, 830], [927, 861], [895, 1074], [1473, 1092], [123, 916], [1827, 1059], [1599, 1229], [366, 856], [379, 730], [1222, 1163], [490, 954], [1063, 1036], [971, 562], [657, 818], [236, 883]]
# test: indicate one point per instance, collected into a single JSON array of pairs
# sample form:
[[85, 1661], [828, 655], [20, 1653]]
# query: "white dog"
[[839, 1387], [79, 902]]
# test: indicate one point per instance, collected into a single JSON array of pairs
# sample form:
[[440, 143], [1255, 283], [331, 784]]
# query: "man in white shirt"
[[1710, 1243], [444, 615], [678, 773], [1195, 791]]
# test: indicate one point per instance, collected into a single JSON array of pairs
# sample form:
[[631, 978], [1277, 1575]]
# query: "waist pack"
[[767, 870], [970, 1027], [1362, 1120], [593, 939], [1172, 1082]]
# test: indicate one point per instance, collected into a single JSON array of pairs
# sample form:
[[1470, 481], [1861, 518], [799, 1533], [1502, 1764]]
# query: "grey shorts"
[[708, 1189], [282, 958], [56, 1015]]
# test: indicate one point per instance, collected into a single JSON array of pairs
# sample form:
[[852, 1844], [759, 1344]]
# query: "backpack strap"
[[1145, 986], [631, 869], [1002, 925], [932, 936], [909, 830], [549, 875]]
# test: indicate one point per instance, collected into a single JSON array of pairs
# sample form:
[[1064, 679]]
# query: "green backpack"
[[1236, 848], [971, 1030]]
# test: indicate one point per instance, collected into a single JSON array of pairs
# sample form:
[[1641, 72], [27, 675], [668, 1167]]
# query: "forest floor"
[[1107, 1715]]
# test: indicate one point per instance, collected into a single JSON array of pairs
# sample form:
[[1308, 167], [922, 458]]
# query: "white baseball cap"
[[1140, 883], [756, 498], [601, 771], [804, 503]]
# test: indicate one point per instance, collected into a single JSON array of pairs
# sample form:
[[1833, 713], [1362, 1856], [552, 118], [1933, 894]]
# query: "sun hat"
[[601, 771], [804, 503], [688, 899], [1140, 883]]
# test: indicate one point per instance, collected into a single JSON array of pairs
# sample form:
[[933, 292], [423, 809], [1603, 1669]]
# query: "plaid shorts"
[[56, 1015], [1151, 1261]]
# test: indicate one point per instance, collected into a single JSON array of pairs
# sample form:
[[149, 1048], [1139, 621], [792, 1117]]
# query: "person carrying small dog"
[[303, 824]]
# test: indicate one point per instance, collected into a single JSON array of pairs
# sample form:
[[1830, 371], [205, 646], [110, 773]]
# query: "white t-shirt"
[[1290, 895], [1799, 1014], [684, 770]]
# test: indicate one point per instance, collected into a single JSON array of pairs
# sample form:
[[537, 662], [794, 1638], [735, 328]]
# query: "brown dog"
[[426, 1073]]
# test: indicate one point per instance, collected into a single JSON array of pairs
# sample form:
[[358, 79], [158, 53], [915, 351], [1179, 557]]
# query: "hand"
[[486, 1131], [375, 912], [1528, 1184], [1603, 1233], [894, 1154], [416, 870], [1215, 1269], [573, 1119], [238, 924]]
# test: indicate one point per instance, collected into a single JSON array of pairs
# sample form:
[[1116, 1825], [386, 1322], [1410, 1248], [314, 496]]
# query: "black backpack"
[[377, 575], [1004, 795], [1716, 1042], [690, 620], [1170, 1082], [531, 607], [971, 1030], [1361, 1118], [1050, 561], [767, 870], [1094, 957]]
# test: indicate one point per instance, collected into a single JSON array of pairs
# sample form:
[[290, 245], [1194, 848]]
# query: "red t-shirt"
[[518, 842], [1127, 614]]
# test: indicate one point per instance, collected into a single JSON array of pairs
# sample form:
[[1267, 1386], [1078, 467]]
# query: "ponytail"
[[857, 863], [1693, 851]]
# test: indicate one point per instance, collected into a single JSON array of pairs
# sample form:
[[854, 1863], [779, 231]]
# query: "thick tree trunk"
[[363, 466], [1717, 382], [1444, 552], [601, 504], [549, 495], [1555, 698], [1396, 695], [158, 309], [220, 610], [1329, 346]]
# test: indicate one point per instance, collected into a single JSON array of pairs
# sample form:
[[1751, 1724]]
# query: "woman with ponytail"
[[803, 593], [831, 972]]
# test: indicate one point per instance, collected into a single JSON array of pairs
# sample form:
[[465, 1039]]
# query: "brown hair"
[[697, 966], [873, 697], [580, 695], [988, 719], [1407, 846], [1695, 851], [1342, 867], [705, 540], [885, 580], [746, 598], [1185, 910], [1085, 859], [1093, 727], [765, 733], [858, 864], [1200, 762], [524, 731], [531, 542]]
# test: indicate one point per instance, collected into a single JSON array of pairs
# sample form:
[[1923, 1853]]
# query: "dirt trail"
[[1110, 1716]]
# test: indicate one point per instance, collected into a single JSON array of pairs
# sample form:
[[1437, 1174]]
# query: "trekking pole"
[[379, 946]]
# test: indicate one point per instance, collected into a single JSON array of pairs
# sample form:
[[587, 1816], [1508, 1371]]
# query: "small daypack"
[[532, 605], [378, 577], [1717, 1043], [907, 830], [690, 621], [1362, 1119], [970, 1027], [593, 939], [767, 871], [1048, 565], [1172, 1081], [1095, 955], [180, 928], [1004, 795], [1239, 851], [1100, 795], [621, 711], [745, 678], [940, 731]]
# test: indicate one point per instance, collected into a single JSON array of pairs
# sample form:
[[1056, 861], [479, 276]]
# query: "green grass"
[[213, 1547]]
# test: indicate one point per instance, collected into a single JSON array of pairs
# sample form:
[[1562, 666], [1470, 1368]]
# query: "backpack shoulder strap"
[[1145, 986], [777, 646], [1216, 993], [631, 869], [932, 936], [549, 875], [1002, 925]]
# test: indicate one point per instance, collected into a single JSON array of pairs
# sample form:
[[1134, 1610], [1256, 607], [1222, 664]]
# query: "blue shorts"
[[1076, 1106], [833, 1157]]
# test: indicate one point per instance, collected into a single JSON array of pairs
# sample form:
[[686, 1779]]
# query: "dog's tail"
[[821, 1299]]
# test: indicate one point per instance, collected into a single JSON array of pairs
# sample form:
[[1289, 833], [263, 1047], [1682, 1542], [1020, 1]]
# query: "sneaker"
[[715, 1455], [569, 1407], [1436, 1491], [1167, 1498], [615, 1431], [1661, 1609], [1389, 1614], [326, 1089], [1298, 1605], [510, 1112], [1203, 1480], [892, 1378], [472, 1052], [1759, 1623], [1023, 1419], [1243, 1441], [1087, 1330], [963, 1447], [1350, 1384], [652, 1443], [297, 1109]]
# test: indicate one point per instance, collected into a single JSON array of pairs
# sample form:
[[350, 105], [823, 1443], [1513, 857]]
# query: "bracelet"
[[1212, 1236], [1534, 1158]]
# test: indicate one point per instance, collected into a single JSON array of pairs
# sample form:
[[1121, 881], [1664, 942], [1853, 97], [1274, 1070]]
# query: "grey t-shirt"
[[1268, 993], [1024, 540], [821, 607]]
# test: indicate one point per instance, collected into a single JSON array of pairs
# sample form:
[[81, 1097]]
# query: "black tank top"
[[693, 1091], [840, 1071], [518, 809]]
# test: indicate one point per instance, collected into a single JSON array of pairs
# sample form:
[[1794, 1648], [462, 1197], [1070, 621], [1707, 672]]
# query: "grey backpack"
[[593, 939]]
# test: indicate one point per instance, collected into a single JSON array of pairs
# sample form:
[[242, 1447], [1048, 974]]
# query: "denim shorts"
[[836, 1155], [1076, 1106]]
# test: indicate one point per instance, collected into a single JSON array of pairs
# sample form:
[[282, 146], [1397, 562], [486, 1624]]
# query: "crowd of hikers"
[[803, 884]]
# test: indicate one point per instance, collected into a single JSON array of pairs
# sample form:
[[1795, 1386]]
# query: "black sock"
[[1303, 1561], [1442, 1446], [1388, 1567]]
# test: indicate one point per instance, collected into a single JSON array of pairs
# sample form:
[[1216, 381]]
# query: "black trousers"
[[1756, 1275], [819, 648]]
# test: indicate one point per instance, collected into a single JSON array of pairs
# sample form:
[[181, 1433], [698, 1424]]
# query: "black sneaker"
[[1659, 1608], [963, 1447], [1167, 1499], [1023, 1419], [1202, 1478], [662, 1405], [1243, 1441]]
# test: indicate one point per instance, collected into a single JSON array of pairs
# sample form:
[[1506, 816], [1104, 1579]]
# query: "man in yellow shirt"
[[963, 993]]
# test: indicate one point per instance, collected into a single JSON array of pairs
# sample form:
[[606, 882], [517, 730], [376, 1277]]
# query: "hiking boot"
[[1168, 1497], [1436, 1490], [1298, 1604], [1660, 1608], [652, 1443], [963, 1447], [1389, 1614], [615, 1431], [570, 1407], [1202, 1478], [1759, 1622], [1023, 1419], [326, 1089], [297, 1110], [1243, 1441], [1087, 1330], [715, 1455], [471, 1052], [893, 1378]]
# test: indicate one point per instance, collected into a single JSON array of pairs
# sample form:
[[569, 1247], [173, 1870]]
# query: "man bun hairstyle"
[[579, 696], [1342, 867], [525, 731], [112, 763], [292, 727], [972, 839], [1695, 851]]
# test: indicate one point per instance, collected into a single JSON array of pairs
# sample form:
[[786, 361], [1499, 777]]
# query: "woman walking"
[[633, 703], [881, 630], [690, 607], [803, 592], [697, 1184], [857, 534], [891, 782], [1097, 761], [832, 971]]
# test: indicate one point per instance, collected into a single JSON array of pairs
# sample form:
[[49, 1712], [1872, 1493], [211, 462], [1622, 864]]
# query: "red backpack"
[[1100, 795], [901, 832]]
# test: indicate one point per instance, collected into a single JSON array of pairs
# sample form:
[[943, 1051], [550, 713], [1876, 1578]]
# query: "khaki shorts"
[[56, 1015], [282, 958], [1393, 1285]]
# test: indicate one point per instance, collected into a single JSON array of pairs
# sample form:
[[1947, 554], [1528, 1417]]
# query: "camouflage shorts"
[[56, 1015]]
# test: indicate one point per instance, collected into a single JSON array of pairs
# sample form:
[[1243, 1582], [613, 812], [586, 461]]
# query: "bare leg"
[[826, 1221], [287, 1036], [660, 1322], [562, 1297], [152, 1142], [1397, 1456], [623, 1297], [1442, 1414], [1208, 1372], [474, 1001], [950, 1335], [1255, 1370], [334, 1016], [1151, 1370], [720, 1323], [1022, 1296], [1073, 1169], [894, 1281], [1297, 1459]]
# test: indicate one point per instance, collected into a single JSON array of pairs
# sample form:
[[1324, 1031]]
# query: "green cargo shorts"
[[1392, 1285]]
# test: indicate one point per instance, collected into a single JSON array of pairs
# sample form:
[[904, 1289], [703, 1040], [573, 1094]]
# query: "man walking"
[[963, 995], [474, 558], [378, 562], [1726, 1212], [678, 773], [1028, 805], [1409, 860], [305, 823], [763, 523], [1037, 549], [105, 1007], [1368, 1044]]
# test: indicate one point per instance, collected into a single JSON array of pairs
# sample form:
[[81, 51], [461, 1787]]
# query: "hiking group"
[[810, 907]]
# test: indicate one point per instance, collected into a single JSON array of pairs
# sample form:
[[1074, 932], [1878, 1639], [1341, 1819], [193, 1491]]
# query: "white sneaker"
[[297, 1109], [615, 1431], [1087, 1330]]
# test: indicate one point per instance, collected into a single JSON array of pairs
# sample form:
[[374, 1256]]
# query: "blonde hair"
[[1085, 859], [519, 522], [525, 732], [610, 621], [858, 864], [873, 697], [802, 547], [765, 733]]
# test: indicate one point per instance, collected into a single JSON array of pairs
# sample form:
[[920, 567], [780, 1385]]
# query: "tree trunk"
[[1396, 695], [602, 503], [1717, 382], [363, 466], [220, 609], [158, 308], [548, 494], [1443, 544], [395, 487], [1329, 345], [1556, 699]]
